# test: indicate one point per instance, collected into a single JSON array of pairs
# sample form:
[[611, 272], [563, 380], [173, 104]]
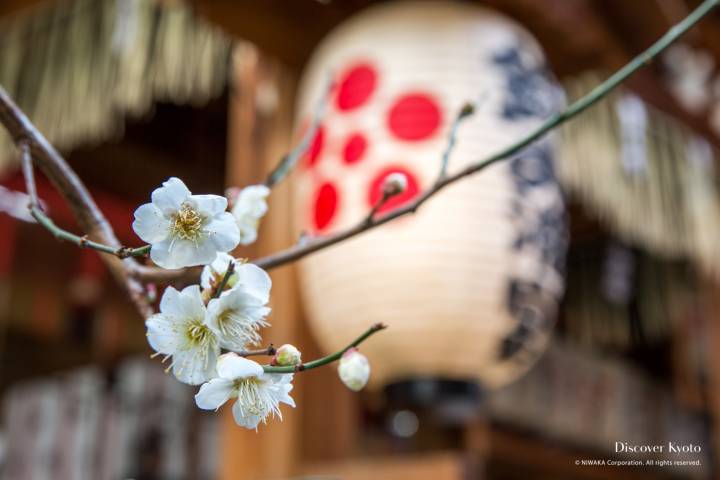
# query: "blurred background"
[[541, 312]]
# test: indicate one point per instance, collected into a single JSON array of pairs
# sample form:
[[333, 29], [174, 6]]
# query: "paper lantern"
[[470, 284]]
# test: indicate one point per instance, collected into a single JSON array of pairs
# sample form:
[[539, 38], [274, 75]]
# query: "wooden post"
[[324, 426], [256, 140]]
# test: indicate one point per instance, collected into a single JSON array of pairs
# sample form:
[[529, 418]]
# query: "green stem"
[[466, 111], [60, 234], [330, 358]]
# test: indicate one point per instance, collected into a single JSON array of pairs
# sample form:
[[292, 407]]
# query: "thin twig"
[[28, 174], [83, 241], [313, 245], [325, 360], [386, 195], [226, 278], [268, 352], [288, 162], [466, 111]]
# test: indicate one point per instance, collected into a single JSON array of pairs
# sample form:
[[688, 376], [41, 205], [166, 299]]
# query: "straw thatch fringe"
[[80, 67], [649, 178]]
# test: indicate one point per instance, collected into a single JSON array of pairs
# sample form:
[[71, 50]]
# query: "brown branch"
[[35, 146]]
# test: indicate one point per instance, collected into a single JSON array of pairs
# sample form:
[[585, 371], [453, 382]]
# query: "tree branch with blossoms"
[[204, 332]]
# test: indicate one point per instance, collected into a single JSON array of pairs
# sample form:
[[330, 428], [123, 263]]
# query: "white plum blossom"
[[249, 207], [184, 229], [258, 394], [180, 332], [247, 276], [287, 355], [354, 369], [236, 316]]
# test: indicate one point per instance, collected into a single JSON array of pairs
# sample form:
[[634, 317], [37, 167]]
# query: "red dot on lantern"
[[315, 150], [355, 147], [414, 117], [326, 202], [376, 189], [356, 85]]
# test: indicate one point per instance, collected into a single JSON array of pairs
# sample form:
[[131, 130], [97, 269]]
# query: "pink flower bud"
[[286, 356]]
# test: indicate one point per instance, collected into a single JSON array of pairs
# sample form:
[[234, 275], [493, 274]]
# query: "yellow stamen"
[[187, 223]]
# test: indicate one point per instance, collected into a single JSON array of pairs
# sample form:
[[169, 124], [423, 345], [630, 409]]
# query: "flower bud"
[[395, 183], [151, 292], [287, 356], [354, 369]]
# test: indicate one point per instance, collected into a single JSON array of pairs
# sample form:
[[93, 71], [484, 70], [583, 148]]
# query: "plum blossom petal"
[[192, 367], [179, 332], [214, 394], [223, 232], [213, 204], [150, 224], [171, 302], [231, 366], [243, 419], [254, 280], [162, 335], [250, 206], [236, 317], [171, 195]]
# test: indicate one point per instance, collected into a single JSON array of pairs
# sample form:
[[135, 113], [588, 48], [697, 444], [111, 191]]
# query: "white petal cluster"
[[194, 326], [184, 229], [240, 311], [249, 207], [192, 333], [251, 278], [181, 333], [258, 394]]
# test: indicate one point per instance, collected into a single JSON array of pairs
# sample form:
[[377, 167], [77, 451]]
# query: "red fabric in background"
[[118, 212]]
